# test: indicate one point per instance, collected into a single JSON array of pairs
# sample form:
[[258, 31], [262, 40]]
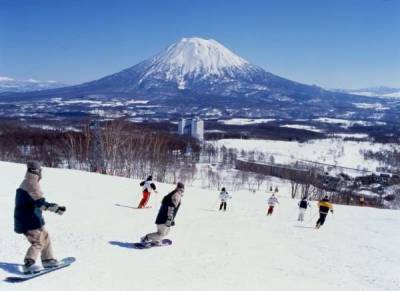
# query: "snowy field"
[[301, 126], [333, 151], [241, 249], [245, 121], [345, 123]]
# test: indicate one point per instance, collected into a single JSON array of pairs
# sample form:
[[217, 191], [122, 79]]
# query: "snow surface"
[[334, 151], [192, 55], [350, 135], [241, 249], [345, 123], [302, 126], [245, 121], [382, 91], [195, 57], [376, 106]]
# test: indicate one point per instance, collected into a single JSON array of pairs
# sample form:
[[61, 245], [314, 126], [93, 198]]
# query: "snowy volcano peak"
[[196, 55]]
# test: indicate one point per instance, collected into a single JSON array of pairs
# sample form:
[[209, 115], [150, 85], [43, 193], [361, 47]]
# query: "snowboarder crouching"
[[324, 207], [224, 196], [271, 204], [148, 186], [303, 204], [166, 215], [28, 219]]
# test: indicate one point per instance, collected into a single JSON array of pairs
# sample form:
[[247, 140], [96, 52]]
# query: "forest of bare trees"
[[116, 148]]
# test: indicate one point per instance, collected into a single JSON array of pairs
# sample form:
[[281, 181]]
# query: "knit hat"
[[149, 178], [180, 185], [34, 167]]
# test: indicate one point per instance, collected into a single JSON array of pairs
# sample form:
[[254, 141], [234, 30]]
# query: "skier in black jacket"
[[166, 215], [303, 204]]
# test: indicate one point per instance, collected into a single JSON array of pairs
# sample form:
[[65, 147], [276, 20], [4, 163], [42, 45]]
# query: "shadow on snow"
[[122, 244], [10, 268]]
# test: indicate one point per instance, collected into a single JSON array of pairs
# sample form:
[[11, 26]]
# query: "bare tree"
[[259, 178]]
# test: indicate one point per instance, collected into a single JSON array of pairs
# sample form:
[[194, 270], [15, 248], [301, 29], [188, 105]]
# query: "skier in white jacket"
[[224, 196], [271, 204]]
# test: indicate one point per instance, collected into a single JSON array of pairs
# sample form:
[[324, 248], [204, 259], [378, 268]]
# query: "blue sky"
[[330, 43]]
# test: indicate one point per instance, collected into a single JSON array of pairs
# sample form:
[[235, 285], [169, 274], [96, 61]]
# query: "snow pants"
[[40, 244], [162, 230], [270, 210], [145, 199], [302, 211], [222, 205], [321, 219]]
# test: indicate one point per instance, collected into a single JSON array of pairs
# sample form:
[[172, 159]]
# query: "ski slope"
[[242, 249]]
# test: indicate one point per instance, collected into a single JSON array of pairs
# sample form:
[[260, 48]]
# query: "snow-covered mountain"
[[195, 57], [12, 85], [381, 91], [196, 67], [198, 76], [190, 69]]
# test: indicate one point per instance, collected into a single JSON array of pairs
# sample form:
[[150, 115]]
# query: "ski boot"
[[30, 267], [145, 240], [51, 263]]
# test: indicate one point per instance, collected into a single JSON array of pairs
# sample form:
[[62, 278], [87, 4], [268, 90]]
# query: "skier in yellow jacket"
[[324, 207]]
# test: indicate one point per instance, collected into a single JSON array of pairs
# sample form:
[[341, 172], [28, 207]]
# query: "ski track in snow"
[[240, 249]]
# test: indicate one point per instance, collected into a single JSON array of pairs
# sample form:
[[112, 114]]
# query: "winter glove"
[[60, 210], [53, 207]]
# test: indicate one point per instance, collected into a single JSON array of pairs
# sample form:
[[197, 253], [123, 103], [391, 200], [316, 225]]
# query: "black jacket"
[[27, 212], [303, 204], [167, 205]]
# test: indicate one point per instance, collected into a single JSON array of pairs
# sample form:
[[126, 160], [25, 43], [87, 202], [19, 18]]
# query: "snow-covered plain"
[[305, 127], [241, 249], [345, 123], [245, 121], [334, 151]]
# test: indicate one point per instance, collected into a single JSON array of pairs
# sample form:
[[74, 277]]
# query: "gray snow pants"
[[301, 214], [162, 230]]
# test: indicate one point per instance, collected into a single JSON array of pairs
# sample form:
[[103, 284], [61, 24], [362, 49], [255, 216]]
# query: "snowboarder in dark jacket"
[[166, 215], [28, 219], [303, 204], [324, 207], [148, 186]]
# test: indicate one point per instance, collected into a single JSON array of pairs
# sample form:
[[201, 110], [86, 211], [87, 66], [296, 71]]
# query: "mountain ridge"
[[195, 76], [8, 84]]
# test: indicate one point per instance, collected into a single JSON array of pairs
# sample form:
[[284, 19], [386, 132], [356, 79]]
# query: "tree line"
[[115, 147]]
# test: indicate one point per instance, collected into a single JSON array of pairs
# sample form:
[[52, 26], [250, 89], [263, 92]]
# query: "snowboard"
[[164, 242], [24, 277]]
